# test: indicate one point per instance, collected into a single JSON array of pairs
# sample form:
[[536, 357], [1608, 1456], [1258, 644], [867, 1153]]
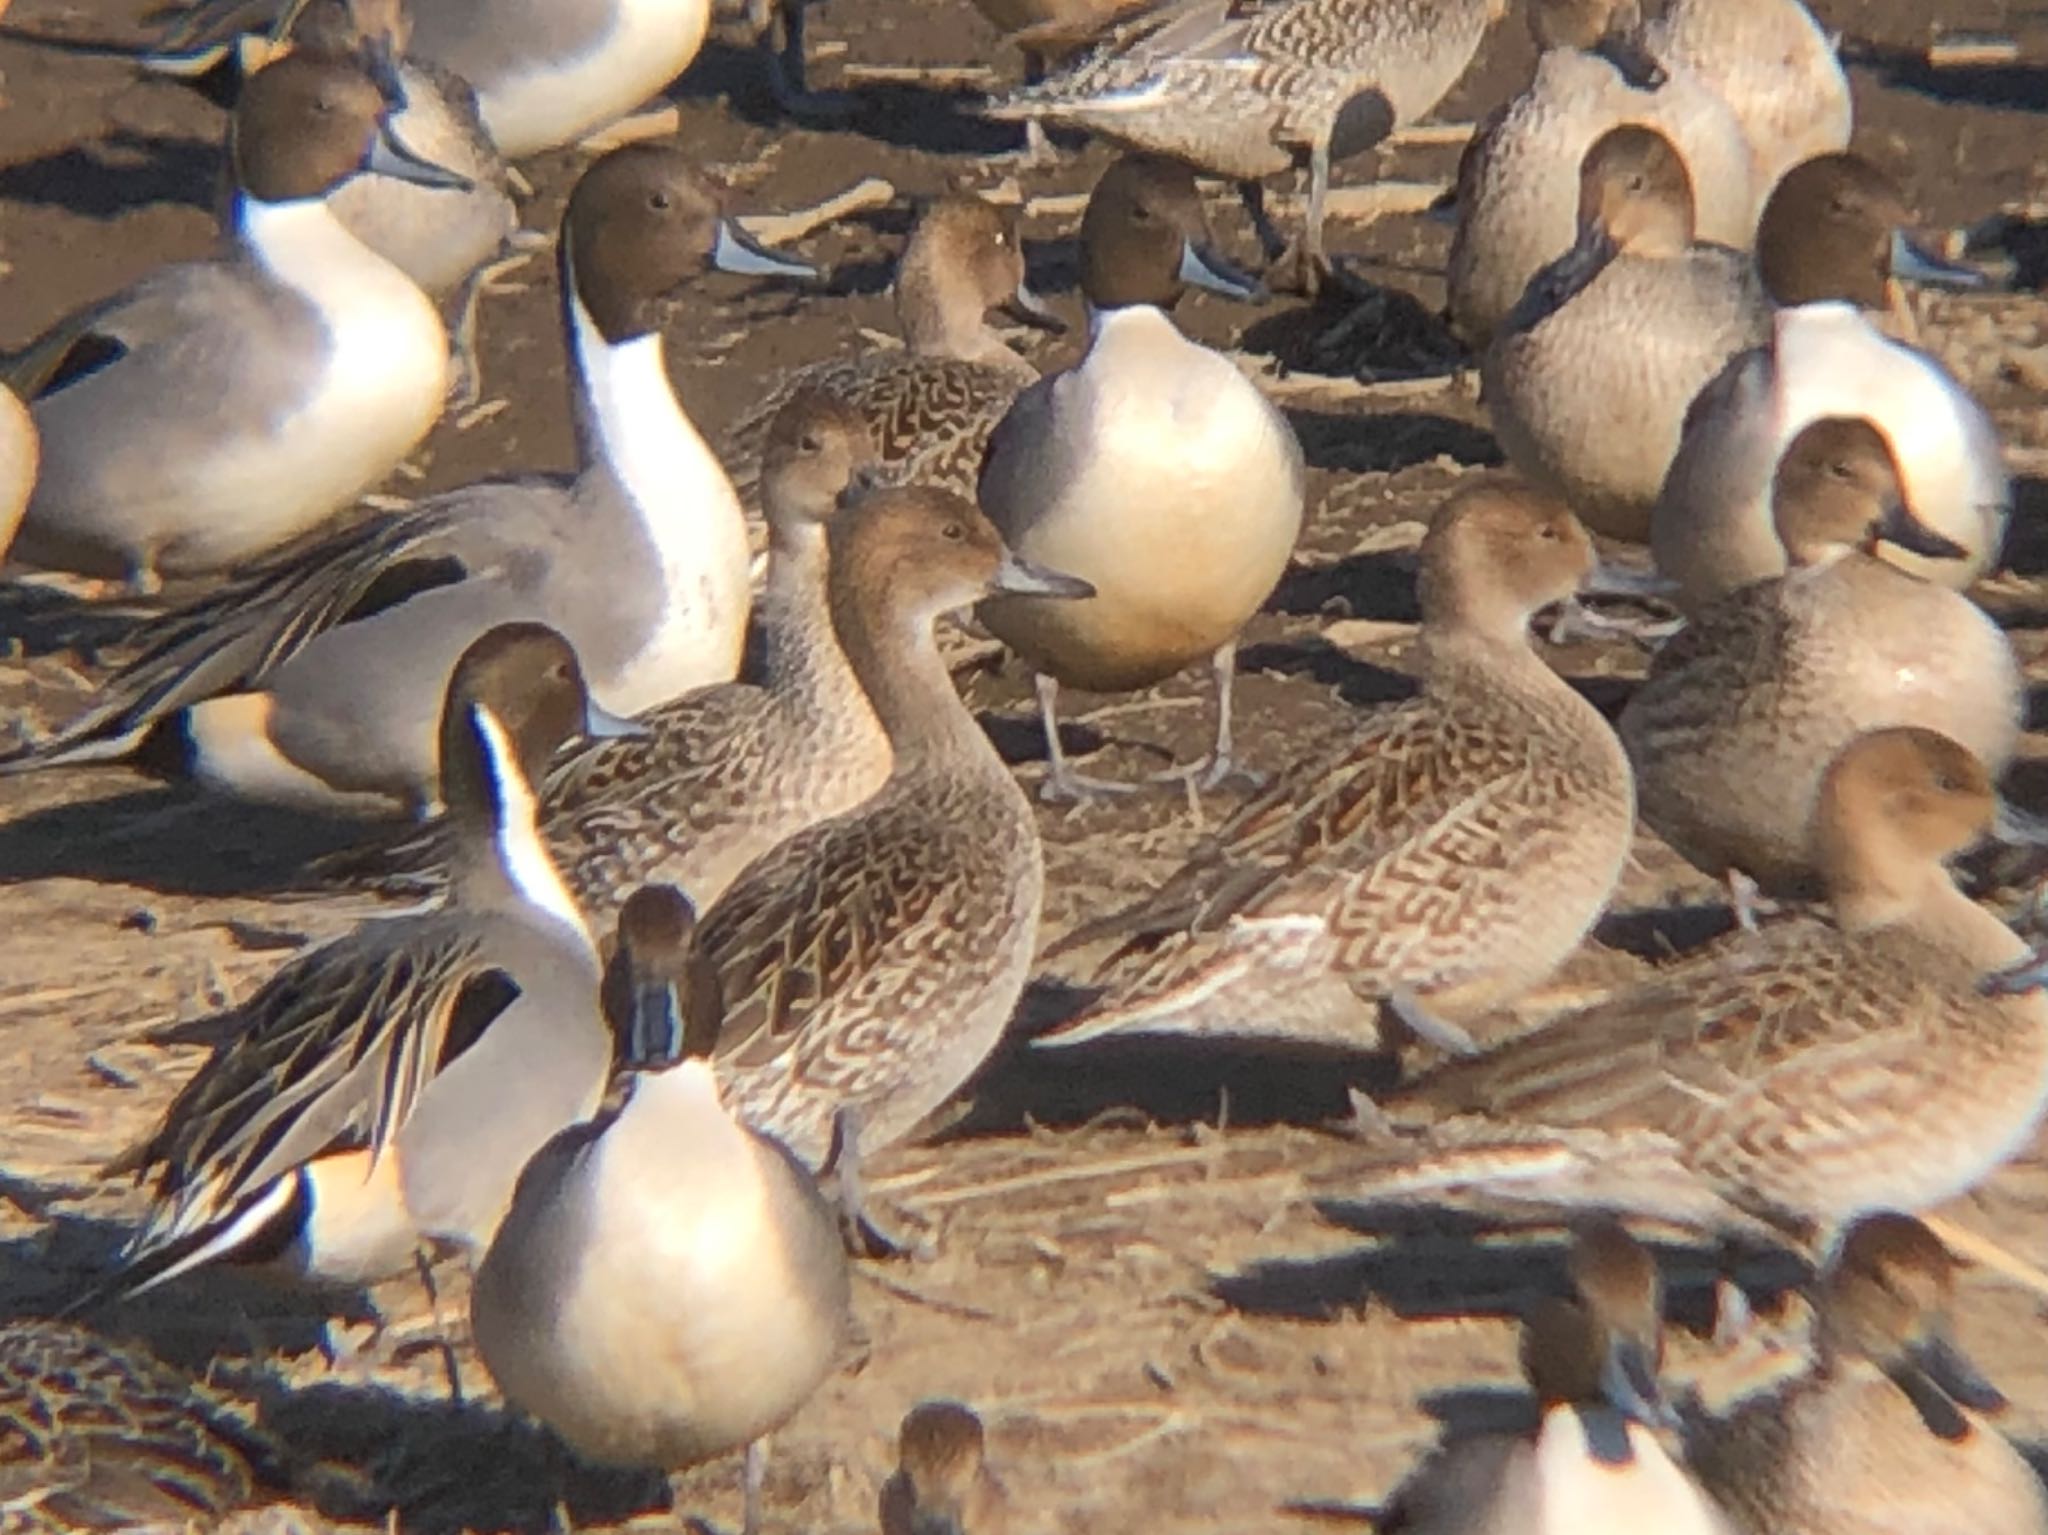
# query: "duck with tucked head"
[[317, 678], [219, 408], [1889, 1429], [1445, 861], [1831, 246], [1745, 708], [1153, 469], [1588, 379]]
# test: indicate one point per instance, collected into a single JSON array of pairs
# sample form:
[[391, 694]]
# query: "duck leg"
[[1219, 767], [1272, 244], [753, 1477], [466, 388], [788, 69], [863, 1235], [1064, 786]]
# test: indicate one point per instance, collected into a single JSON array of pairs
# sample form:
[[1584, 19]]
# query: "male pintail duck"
[[97, 1435], [932, 403], [297, 684], [383, 1090], [1588, 379], [669, 1286], [1595, 1464], [1153, 469], [870, 963], [1246, 91], [1831, 245], [1887, 1430], [725, 773], [1772, 63], [20, 456], [546, 72], [1451, 856], [942, 1484], [1518, 190], [219, 408], [1784, 1082], [1745, 708]]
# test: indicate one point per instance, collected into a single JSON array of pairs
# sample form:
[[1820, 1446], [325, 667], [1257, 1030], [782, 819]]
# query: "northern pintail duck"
[[1595, 1463], [870, 963], [1518, 190], [96, 1435], [1887, 1430], [1248, 91], [1773, 64], [1153, 469], [1450, 857], [1745, 708], [1830, 246], [932, 403], [669, 1285], [296, 684], [20, 456], [1786, 1081], [725, 773], [545, 72], [1588, 379], [383, 1090], [219, 408], [942, 1484]]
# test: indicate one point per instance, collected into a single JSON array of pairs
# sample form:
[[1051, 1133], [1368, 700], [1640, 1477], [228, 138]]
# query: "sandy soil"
[[1133, 1281]]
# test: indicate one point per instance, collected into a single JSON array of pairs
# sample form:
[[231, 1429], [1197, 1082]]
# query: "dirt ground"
[[1133, 1280]]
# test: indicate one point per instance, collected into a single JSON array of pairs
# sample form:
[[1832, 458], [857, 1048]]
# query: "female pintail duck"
[[1248, 91], [1746, 706], [384, 1089], [1772, 63], [725, 773], [1047, 33], [1153, 469], [1887, 1430], [1518, 190], [1588, 379], [1451, 856], [1595, 1463], [870, 963], [546, 72], [931, 404], [98, 1435], [218, 408], [1831, 245], [669, 1285], [20, 456], [1784, 1082], [276, 689], [942, 1484]]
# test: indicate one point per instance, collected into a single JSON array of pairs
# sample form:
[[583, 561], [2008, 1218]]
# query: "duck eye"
[[658, 200], [810, 443], [953, 532]]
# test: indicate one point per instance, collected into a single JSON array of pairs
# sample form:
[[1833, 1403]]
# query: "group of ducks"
[[730, 879]]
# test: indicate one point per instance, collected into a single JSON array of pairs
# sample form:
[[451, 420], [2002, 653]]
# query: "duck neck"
[[941, 316], [895, 655], [302, 245], [501, 861], [1872, 888], [802, 658]]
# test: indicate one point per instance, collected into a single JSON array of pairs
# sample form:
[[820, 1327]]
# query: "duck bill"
[[2015, 827], [654, 1026], [1636, 65], [1937, 1357], [600, 724], [1201, 267], [740, 253], [1900, 528], [390, 157], [1629, 1382], [1019, 577], [2030, 974], [1607, 580], [1913, 262], [1028, 308]]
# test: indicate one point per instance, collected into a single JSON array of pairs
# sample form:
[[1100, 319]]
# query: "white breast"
[[559, 100]]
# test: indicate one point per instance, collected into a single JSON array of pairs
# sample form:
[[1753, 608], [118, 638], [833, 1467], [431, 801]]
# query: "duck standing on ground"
[[1153, 469], [1887, 1430], [1745, 708], [317, 678], [669, 1285], [1518, 188], [219, 408], [1830, 246], [1448, 859], [1246, 91], [1588, 380], [1782, 1083], [383, 1090]]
